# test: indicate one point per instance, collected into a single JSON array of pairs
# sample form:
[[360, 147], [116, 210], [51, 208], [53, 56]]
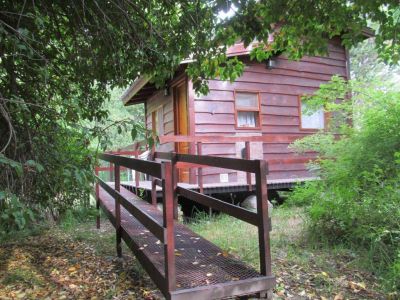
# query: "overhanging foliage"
[[60, 59]]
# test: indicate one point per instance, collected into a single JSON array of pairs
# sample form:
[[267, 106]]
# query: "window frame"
[[325, 114], [248, 109]]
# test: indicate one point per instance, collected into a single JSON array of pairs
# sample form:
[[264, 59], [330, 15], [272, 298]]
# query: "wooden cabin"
[[262, 107]]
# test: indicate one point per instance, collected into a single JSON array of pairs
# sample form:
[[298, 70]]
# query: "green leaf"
[[134, 133], [34, 164]]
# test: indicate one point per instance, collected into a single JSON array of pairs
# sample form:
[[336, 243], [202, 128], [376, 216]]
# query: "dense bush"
[[357, 200], [56, 177]]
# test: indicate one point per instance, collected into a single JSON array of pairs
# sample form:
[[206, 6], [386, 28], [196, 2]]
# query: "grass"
[[228, 234], [22, 276], [301, 268]]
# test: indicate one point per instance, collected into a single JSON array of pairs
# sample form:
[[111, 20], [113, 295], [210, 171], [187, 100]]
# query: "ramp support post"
[[263, 218], [168, 220], [117, 176]]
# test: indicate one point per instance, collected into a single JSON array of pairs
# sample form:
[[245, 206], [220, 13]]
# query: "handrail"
[[163, 155], [230, 209], [164, 174], [144, 166], [164, 232], [227, 139], [150, 223], [221, 162]]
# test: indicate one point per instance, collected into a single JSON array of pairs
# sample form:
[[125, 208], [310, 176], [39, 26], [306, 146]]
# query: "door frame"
[[190, 114], [176, 84]]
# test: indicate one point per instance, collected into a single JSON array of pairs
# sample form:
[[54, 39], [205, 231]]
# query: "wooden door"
[[181, 126]]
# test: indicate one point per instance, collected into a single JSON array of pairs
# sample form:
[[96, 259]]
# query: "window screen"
[[315, 120], [247, 107]]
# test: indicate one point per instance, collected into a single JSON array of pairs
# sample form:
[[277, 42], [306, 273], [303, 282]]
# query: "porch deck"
[[221, 187]]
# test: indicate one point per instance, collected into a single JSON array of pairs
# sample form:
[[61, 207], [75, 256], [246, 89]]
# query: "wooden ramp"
[[193, 268]]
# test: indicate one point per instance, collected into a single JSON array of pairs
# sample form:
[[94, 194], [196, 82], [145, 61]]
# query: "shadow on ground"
[[66, 265]]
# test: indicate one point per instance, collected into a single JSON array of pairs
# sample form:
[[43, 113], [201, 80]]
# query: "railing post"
[[137, 177], [200, 170], [175, 183], [263, 218], [153, 183], [117, 173], [111, 169], [248, 174], [168, 218], [96, 171], [153, 192]]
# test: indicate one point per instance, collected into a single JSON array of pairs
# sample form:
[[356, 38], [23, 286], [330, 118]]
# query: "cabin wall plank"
[[155, 102], [279, 89]]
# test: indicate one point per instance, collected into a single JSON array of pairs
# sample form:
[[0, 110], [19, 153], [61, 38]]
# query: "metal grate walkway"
[[203, 270]]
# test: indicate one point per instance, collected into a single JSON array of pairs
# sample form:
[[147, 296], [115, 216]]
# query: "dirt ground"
[[80, 263]]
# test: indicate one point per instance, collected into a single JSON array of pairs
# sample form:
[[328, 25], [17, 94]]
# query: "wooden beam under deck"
[[225, 187]]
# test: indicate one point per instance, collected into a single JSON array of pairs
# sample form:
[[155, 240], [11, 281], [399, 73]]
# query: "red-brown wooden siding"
[[279, 90], [153, 103]]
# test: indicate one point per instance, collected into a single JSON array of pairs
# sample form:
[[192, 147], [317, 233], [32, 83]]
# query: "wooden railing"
[[164, 174], [257, 167], [163, 232], [199, 141]]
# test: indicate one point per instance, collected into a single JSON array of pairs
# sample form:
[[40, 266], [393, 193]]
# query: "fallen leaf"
[[339, 296], [357, 286]]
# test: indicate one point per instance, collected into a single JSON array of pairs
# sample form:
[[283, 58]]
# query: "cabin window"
[[247, 106], [315, 120], [158, 121]]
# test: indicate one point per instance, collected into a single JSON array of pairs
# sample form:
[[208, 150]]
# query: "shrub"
[[14, 215], [357, 200]]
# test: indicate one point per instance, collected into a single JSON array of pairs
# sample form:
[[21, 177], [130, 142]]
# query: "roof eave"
[[368, 32], [134, 88]]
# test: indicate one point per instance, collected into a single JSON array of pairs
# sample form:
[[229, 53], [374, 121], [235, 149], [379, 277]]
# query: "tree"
[[60, 59], [116, 131], [365, 64], [302, 27]]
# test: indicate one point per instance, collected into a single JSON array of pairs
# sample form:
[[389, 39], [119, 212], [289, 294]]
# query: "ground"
[[79, 262]]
